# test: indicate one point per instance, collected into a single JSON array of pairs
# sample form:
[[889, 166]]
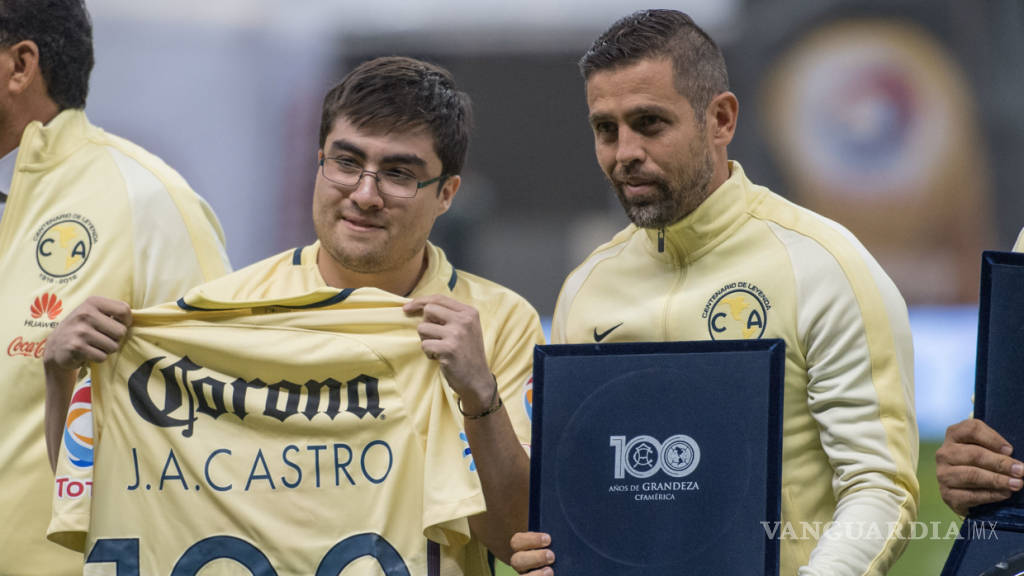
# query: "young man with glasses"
[[393, 139]]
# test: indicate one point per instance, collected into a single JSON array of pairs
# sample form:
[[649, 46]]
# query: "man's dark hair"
[[699, 66], [63, 32], [398, 93]]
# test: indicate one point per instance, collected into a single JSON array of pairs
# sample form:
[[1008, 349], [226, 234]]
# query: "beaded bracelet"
[[494, 408]]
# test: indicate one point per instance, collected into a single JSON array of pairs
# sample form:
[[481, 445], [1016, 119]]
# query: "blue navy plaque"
[[658, 458], [992, 536]]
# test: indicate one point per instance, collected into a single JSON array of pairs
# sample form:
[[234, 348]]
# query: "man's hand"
[[451, 334], [974, 466], [92, 331], [530, 554]]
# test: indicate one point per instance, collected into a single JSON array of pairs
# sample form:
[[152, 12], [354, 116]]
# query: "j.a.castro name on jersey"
[[201, 404]]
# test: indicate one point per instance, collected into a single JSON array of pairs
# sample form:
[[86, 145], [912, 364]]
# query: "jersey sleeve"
[[72, 493], [178, 241], [451, 490], [512, 364], [852, 324], [1019, 246]]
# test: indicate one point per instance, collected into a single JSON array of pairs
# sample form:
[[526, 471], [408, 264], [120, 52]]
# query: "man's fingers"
[[90, 333], [413, 307], [522, 541], [973, 456], [93, 347], [961, 501], [524, 562], [436, 300], [94, 354], [974, 431], [530, 554], [974, 478], [428, 331], [430, 312], [545, 571], [112, 328], [115, 309], [100, 342]]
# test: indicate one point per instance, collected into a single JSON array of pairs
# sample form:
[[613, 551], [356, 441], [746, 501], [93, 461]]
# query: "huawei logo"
[[47, 304]]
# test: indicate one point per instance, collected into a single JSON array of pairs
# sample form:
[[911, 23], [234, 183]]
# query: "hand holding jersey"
[[90, 333], [451, 334]]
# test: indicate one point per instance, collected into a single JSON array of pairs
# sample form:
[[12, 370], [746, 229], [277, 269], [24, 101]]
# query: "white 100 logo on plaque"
[[644, 456]]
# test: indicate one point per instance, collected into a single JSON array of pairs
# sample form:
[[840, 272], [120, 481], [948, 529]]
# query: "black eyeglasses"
[[397, 182]]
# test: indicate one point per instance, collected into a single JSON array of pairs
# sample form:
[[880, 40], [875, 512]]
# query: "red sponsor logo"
[[72, 489], [21, 347], [47, 304]]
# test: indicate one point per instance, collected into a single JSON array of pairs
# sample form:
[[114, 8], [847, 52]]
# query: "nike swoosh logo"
[[602, 335]]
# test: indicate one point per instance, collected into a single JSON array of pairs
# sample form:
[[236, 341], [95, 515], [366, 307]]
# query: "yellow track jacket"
[[749, 264], [88, 214]]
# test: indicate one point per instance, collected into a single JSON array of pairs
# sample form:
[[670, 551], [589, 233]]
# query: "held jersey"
[[749, 264], [292, 435], [88, 214]]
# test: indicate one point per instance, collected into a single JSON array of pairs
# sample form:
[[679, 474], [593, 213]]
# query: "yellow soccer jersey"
[[749, 264], [300, 427], [1019, 246], [88, 214]]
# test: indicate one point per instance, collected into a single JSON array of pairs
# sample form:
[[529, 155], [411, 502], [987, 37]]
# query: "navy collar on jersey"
[[297, 261], [339, 297]]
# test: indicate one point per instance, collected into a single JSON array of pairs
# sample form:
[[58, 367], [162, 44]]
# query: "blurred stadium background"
[[900, 119]]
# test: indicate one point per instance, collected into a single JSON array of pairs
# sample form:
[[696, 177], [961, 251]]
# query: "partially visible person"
[[711, 255], [393, 140], [82, 212], [975, 464]]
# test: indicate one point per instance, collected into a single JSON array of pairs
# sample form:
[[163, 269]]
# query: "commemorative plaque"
[[658, 458], [991, 538]]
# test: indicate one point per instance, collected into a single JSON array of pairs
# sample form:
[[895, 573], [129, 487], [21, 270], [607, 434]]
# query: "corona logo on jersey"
[[187, 387], [78, 427], [737, 311], [644, 456], [63, 245]]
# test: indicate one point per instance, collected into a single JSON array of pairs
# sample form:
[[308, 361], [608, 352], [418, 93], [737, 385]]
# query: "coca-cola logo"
[[22, 347]]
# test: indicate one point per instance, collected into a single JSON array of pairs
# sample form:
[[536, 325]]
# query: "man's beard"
[[673, 198]]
